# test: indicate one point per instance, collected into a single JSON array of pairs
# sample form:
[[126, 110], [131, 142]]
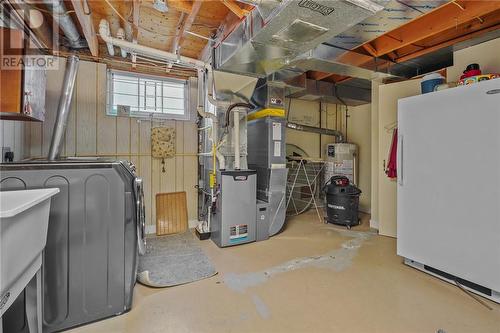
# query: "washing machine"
[[96, 232]]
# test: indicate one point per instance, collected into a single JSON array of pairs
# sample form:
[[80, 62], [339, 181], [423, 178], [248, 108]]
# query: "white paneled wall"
[[12, 135], [91, 132]]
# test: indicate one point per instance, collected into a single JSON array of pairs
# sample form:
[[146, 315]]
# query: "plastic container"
[[477, 78], [471, 70], [342, 202], [430, 81]]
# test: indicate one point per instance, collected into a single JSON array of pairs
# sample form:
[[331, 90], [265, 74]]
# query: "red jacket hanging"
[[391, 169]]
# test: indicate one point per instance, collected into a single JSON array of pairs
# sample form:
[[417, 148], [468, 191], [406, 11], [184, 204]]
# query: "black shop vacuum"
[[342, 202]]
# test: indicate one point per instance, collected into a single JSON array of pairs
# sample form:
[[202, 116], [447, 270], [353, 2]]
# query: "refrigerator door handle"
[[400, 161]]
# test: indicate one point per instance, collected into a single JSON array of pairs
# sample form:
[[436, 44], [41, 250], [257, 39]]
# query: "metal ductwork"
[[311, 129], [64, 107], [353, 92], [271, 39], [233, 88], [288, 38], [65, 22]]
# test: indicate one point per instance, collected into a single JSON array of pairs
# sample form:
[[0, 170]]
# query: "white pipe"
[[215, 137], [221, 159], [209, 217], [148, 51], [104, 29], [236, 139], [120, 34]]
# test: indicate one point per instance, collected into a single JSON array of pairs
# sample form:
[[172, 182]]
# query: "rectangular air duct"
[[292, 37], [353, 92], [261, 45]]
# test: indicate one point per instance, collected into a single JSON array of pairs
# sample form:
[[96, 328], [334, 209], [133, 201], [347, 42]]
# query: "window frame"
[[145, 114]]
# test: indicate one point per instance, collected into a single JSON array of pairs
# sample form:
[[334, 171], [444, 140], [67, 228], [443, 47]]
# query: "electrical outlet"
[[5, 150]]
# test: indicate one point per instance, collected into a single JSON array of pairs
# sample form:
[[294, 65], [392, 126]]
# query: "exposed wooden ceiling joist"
[[432, 23], [235, 8], [189, 20], [447, 43], [315, 75], [41, 32], [136, 7], [85, 19], [180, 30], [449, 24]]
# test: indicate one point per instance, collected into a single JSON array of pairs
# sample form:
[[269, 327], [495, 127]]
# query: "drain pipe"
[[147, 51], [202, 83], [64, 107], [304, 128], [120, 34], [60, 15], [236, 139]]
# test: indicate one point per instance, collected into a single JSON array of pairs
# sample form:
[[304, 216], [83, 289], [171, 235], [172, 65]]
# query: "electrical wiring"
[[117, 12]]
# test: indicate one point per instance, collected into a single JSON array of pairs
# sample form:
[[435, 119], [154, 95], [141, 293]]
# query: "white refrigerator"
[[448, 219]]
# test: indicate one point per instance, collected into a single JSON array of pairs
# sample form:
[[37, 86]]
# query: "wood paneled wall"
[[91, 132]]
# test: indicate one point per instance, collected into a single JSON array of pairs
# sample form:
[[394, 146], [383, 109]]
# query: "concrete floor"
[[310, 278]]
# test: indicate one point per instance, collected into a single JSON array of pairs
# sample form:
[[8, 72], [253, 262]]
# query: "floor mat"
[[173, 260]]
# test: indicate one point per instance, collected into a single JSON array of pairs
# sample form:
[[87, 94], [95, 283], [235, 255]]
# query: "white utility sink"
[[24, 219]]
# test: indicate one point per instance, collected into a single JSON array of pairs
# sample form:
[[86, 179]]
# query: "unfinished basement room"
[[260, 166]]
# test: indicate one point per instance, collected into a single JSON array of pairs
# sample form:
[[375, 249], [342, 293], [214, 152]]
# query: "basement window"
[[145, 96]]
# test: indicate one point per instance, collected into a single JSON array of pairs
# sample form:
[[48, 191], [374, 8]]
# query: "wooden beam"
[[179, 31], [335, 78], [328, 77], [189, 20], [446, 44], [229, 23], [43, 33], [370, 49], [87, 25], [441, 19], [234, 8], [314, 75], [136, 7], [136, 14]]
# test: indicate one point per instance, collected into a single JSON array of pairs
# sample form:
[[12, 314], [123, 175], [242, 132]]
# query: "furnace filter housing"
[[340, 161]]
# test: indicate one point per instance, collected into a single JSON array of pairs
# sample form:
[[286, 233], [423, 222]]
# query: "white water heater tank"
[[341, 159]]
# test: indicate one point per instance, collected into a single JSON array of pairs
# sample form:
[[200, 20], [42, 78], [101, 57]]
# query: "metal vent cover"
[[299, 31]]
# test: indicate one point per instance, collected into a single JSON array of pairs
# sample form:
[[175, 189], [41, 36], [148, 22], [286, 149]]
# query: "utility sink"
[[24, 218]]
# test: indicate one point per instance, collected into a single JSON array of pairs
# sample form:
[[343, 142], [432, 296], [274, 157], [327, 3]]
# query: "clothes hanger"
[[391, 126]]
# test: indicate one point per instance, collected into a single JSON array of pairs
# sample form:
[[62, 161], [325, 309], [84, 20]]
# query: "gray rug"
[[173, 260]]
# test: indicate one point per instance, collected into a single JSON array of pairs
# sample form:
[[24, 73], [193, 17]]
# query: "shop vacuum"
[[342, 201]]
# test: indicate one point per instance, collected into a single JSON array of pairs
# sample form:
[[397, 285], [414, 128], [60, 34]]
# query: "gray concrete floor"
[[310, 278]]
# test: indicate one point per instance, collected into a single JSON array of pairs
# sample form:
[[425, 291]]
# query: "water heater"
[[341, 159]]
